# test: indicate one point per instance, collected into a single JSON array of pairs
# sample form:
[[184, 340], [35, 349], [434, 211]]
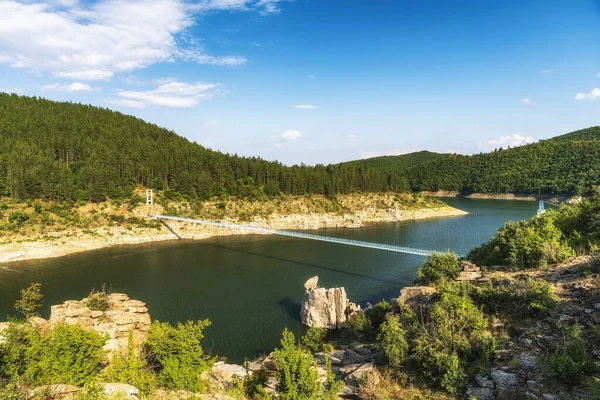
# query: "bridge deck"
[[380, 246]]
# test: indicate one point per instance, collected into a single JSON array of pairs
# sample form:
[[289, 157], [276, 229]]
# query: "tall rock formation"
[[324, 308]]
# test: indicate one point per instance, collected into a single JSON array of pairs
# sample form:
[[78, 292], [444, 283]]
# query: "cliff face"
[[324, 308]]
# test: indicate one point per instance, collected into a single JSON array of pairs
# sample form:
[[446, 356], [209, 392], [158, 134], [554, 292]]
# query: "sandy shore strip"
[[75, 241]]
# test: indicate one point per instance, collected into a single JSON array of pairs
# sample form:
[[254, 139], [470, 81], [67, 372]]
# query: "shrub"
[[313, 339], [378, 313], [31, 300], [131, 369], [523, 298], [525, 244], [97, 300], [360, 325], [393, 341], [176, 354], [67, 354], [570, 362], [13, 350], [297, 377], [438, 268], [366, 324], [451, 335]]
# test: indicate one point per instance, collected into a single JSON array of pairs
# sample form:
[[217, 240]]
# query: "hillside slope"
[[568, 164], [399, 163], [74, 152]]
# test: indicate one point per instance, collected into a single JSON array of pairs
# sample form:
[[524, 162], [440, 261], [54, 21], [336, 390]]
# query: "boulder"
[[128, 391], [323, 308], [56, 391], [38, 322], [358, 374], [416, 294], [311, 284], [480, 393], [506, 383], [484, 382]]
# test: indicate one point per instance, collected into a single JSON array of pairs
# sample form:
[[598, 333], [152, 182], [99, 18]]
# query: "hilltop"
[[399, 163]]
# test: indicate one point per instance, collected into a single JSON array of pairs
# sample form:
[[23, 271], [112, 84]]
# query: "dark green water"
[[250, 286]]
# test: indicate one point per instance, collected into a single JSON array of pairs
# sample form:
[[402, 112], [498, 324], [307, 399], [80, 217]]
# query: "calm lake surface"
[[250, 286]]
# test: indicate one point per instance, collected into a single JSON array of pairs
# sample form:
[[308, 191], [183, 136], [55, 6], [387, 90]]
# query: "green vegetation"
[[570, 361], [365, 325], [393, 342], [569, 164], [31, 300], [551, 238], [297, 376], [176, 354], [438, 269], [314, 339], [73, 152]]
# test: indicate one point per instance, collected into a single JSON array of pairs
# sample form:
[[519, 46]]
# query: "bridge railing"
[[372, 245]]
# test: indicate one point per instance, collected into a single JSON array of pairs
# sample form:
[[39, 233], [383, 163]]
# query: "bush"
[[129, 368], [97, 300], [297, 378], [524, 298], [570, 362], [366, 324], [393, 341], [525, 244], [177, 355], [297, 375], [31, 300], [13, 350], [447, 338], [360, 325], [438, 268], [67, 354], [313, 339]]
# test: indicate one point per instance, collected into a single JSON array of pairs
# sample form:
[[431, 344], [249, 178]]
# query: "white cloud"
[[172, 94], [312, 77], [513, 140], [546, 71], [305, 107], [96, 40], [73, 87], [593, 95], [352, 136], [528, 101], [278, 144], [211, 123], [291, 134], [598, 74]]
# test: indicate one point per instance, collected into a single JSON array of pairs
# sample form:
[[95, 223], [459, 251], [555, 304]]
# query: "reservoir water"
[[250, 286]]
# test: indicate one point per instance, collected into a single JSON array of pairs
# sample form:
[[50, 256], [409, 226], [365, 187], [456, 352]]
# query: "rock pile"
[[325, 308], [470, 272], [121, 316]]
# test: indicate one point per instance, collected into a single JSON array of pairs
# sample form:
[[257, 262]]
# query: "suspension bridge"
[[256, 229]]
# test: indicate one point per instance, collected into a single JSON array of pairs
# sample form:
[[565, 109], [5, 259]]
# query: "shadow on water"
[[291, 307], [339, 271]]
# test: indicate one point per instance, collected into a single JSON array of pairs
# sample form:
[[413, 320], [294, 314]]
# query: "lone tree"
[[31, 300]]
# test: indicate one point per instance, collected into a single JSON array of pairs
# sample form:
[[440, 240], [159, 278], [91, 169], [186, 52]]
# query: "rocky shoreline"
[[506, 196], [74, 241]]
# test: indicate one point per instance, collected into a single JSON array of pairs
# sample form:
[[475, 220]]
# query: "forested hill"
[[398, 163], [67, 152], [567, 164]]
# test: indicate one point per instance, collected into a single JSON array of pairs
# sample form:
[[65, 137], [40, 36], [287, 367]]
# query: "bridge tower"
[[541, 209], [149, 202]]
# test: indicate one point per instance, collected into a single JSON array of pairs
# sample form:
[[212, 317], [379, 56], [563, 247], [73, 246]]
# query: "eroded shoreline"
[[79, 240]]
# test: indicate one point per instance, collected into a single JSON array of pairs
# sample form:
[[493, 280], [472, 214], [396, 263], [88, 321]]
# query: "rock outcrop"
[[325, 308], [416, 295], [120, 317]]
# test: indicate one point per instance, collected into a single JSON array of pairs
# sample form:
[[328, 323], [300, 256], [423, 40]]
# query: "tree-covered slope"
[[568, 164], [65, 151], [398, 163]]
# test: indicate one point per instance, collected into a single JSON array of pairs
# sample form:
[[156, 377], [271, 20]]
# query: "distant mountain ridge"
[[566, 164], [399, 163]]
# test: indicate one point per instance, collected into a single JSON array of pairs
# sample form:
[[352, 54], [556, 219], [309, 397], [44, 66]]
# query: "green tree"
[[393, 341], [438, 268], [297, 377], [31, 300]]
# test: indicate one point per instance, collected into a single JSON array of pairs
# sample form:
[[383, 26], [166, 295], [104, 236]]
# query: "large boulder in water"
[[323, 308]]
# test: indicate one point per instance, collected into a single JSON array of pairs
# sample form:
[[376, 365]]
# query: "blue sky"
[[317, 81]]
